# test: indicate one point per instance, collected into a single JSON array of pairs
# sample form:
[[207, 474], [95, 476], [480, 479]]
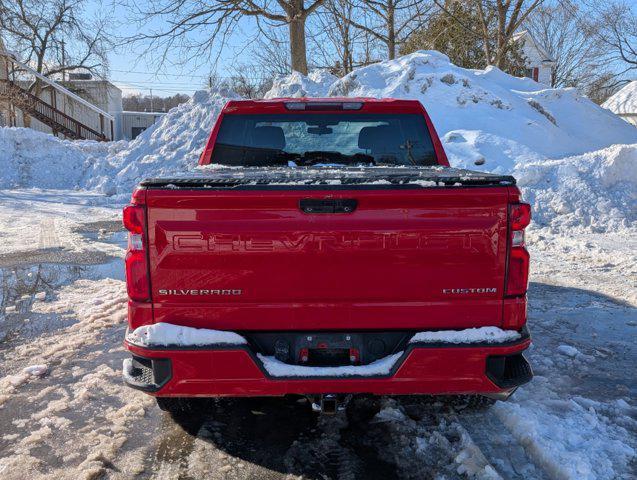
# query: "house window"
[[532, 73], [136, 132]]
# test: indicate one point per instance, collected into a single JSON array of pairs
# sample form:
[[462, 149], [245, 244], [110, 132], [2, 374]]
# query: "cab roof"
[[325, 104]]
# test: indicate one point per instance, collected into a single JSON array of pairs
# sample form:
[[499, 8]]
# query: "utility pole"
[[63, 61], [152, 109]]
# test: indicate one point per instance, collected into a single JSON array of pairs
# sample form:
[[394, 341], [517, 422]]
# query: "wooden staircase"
[[37, 108]]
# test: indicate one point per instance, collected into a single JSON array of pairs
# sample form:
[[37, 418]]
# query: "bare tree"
[[339, 44], [54, 36], [389, 21], [270, 53], [498, 22], [619, 33], [248, 81], [336, 42], [573, 41], [199, 27]]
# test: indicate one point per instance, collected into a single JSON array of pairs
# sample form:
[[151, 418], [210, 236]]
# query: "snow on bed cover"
[[166, 334], [277, 368], [374, 175], [469, 335]]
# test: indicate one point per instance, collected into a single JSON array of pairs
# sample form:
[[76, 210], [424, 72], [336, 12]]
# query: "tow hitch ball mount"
[[329, 403]]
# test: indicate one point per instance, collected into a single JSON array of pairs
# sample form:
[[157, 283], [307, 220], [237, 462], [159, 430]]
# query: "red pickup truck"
[[325, 248]]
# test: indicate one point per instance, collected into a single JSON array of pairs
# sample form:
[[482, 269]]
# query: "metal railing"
[[57, 120]]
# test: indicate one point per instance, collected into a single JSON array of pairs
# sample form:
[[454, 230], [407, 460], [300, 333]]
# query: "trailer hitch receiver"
[[329, 403]]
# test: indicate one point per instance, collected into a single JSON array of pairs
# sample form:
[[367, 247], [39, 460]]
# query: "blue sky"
[[133, 73]]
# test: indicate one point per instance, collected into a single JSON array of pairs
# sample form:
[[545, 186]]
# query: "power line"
[[225, 77], [159, 74], [144, 82]]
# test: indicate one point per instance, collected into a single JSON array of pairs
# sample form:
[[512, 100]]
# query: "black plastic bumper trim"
[[509, 371], [161, 369]]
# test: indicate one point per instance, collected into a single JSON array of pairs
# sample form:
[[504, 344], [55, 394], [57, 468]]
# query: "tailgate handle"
[[313, 205]]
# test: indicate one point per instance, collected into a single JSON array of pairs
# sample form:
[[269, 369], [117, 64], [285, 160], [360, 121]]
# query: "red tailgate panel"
[[386, 265]]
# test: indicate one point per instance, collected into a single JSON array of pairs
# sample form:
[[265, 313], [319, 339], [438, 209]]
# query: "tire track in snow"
[[499, 447], [48, 235]]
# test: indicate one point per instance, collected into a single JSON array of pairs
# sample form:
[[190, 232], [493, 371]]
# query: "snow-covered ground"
[[65, 414]]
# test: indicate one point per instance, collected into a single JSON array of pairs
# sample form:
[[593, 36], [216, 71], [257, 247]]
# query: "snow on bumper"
[[476, 361]]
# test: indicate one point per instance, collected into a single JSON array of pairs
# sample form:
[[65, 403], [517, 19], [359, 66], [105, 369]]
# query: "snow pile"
[[596, 190], [172, 145], [624, 101], [480, 114], [277, 368], [469, 335], [34, 159], [166, 334], [297, 85]]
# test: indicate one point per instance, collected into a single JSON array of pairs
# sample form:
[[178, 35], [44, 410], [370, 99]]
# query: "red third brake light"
[[518, 263]]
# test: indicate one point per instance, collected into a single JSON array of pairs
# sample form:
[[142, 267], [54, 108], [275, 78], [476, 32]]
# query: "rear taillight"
[[134, 217], [518, 262]]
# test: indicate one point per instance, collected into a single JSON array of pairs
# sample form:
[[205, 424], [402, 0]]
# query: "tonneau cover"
[[330, 177]]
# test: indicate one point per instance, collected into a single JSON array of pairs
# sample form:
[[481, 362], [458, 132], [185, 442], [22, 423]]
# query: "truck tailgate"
[[418, 258]]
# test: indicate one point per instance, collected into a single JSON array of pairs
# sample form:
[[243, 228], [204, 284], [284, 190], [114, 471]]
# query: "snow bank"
[[170, 146], [166, 334], [31, 159], [469, 335], [596, 190], [277, 368], [296, 85], [480, 113]]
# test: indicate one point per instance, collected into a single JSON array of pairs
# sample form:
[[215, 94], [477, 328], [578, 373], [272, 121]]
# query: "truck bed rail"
[[332, 178]]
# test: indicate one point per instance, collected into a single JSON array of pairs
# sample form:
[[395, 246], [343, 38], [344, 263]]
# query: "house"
[[79, 107], [624, 103], [50, 107], [103, 94], [539, 64]]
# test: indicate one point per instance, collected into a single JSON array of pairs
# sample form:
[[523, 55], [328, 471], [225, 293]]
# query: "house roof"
[[526, 36], [624, 101]]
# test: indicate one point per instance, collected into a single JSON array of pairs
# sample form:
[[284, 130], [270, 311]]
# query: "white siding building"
[[134, 123], [78, 108], [50, 108], [624, 103], [539, 65]]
